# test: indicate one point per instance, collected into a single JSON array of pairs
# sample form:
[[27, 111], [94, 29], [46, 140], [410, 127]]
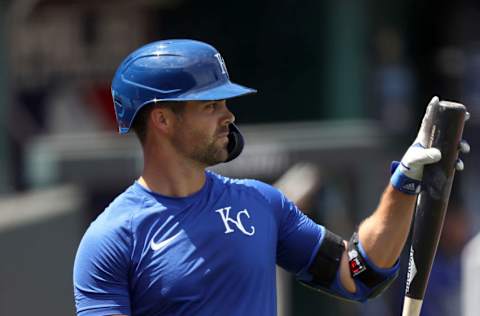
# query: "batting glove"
[[407, 174]]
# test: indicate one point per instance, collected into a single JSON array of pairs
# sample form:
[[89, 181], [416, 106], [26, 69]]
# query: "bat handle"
[[411, 306]]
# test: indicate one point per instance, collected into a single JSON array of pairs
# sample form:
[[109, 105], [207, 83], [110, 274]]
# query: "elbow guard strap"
[[370, 280]]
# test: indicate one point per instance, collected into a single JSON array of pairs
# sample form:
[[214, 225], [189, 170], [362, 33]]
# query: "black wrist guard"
[[366, 275]]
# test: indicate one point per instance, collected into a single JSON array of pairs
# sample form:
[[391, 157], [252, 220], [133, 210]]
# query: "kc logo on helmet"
[[222, 63]]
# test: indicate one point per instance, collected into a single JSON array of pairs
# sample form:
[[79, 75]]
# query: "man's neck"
[[171, 177]]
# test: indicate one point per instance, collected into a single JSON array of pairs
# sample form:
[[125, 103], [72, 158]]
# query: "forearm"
[[384, 233]]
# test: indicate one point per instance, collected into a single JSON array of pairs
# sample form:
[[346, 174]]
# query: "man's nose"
[[229, 117]]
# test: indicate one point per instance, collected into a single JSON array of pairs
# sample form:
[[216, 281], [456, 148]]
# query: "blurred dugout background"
[[342, 85]]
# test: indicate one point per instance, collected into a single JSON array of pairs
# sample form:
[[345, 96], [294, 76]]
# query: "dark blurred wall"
[[274, 46]]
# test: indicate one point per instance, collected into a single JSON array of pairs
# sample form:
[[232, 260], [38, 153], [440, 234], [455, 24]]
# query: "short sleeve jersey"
[[211, 253]]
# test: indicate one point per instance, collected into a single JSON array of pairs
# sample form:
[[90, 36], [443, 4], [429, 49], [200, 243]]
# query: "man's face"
[[201, 131]]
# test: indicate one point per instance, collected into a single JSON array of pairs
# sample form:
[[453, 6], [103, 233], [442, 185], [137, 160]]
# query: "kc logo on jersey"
[[227, 220]]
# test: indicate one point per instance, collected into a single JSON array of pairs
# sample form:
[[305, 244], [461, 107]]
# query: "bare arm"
[[384, 233]]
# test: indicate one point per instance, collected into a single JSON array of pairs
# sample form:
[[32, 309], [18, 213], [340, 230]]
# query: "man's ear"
[[162, 119]]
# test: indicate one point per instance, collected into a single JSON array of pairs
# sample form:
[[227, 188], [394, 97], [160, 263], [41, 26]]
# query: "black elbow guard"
[[327, 260], [370, 280]]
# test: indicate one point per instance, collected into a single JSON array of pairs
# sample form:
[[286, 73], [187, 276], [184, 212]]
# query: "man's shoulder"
[[253, 186], [120, 211], [111, 231], [237, 181]]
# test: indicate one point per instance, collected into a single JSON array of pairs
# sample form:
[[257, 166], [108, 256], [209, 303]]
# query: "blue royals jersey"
[[211, 253]]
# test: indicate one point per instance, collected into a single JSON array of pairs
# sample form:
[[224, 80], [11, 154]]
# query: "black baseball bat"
[[444, 131]]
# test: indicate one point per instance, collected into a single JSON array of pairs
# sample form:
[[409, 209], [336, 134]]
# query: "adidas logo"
[[410, 187]]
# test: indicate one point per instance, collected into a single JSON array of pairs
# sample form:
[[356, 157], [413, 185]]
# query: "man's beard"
[[211, 154], [208, 150]]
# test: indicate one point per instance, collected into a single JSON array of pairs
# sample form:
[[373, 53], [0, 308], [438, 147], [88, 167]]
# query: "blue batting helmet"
[[170, 70]]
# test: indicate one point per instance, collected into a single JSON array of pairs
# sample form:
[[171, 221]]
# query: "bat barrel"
[[446, 129]]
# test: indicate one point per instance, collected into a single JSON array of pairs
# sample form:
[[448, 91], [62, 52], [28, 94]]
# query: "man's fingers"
[[427, 156], [459, 166], [434, 100], [467, 116], [422, 136], [464, 147]]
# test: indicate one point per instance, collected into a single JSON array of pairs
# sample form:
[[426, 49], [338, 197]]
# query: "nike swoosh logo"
[[164, 243]]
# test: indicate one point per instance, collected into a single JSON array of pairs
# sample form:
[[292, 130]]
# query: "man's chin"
[[221, 154], [216, 158]]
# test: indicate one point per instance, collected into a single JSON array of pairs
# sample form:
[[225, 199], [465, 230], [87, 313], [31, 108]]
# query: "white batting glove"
[[407, 174]]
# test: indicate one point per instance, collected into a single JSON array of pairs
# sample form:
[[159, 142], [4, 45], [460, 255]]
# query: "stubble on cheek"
[[208, 150], [215, 152]]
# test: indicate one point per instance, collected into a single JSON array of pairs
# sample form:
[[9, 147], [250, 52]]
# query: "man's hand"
[[407, 174]]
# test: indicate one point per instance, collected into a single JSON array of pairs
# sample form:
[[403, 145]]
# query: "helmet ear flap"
[[235, 142]]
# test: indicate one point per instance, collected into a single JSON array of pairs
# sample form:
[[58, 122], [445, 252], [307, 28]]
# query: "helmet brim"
[[225, 91], [228, 90]]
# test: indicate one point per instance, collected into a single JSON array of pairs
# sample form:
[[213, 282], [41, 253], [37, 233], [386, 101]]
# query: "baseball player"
[[185, 241]]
